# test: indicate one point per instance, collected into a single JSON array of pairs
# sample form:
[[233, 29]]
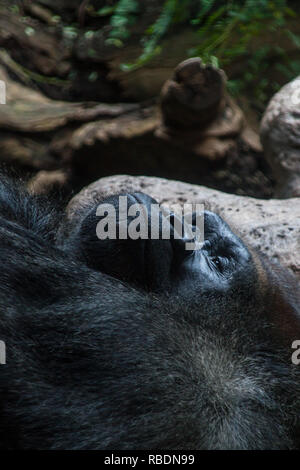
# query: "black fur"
[[97, 362]]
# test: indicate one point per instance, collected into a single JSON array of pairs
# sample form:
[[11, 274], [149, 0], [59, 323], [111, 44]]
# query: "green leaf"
[[106, 11], [70, 32], [214, 61], [93, 76], [114, 42], [294, 38], [89, 34], [29, 31]]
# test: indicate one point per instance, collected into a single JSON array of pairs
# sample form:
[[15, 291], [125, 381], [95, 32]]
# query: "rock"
[[198, 114], [28, 110], [46, 181], [271, 226], [194, 95], [280, 136], [35, 129]]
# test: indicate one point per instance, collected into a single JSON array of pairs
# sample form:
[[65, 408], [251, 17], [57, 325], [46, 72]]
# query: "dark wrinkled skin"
[[139, 344]]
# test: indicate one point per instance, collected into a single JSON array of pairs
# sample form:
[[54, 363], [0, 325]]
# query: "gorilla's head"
[[220, 263]]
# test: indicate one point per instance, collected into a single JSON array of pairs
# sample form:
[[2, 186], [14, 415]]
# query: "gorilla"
[[122, 344]]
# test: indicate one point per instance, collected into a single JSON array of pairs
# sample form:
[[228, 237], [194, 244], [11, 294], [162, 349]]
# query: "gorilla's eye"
[[217, 262]]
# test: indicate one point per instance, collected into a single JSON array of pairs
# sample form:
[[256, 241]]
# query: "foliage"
[[124, 15], [228, 32]]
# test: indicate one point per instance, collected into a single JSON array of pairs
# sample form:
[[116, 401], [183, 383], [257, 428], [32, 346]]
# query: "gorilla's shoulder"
[[37, 214]]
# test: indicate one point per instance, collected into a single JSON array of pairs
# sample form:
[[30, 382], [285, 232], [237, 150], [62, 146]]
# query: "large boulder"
[[280, 136]]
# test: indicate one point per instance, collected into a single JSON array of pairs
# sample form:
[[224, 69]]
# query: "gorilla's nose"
[[186, 231]]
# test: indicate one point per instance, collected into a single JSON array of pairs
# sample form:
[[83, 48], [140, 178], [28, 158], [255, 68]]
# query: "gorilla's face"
[[217, 265], [221, 264]]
